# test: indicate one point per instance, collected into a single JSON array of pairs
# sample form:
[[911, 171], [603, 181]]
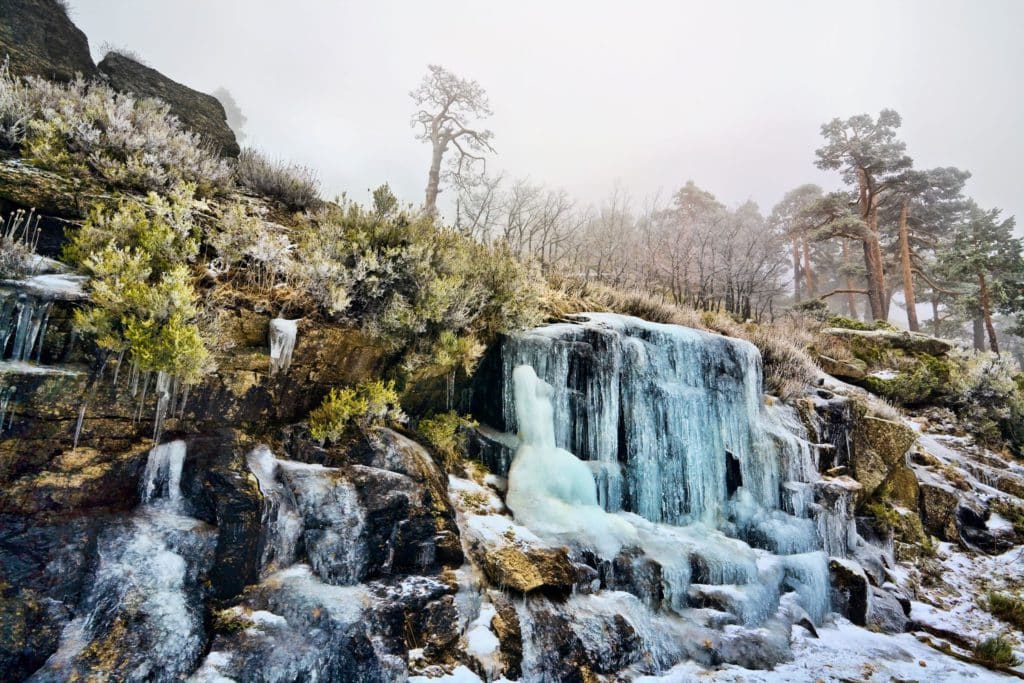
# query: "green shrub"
[[294, 186], [997, 650], [442, 432], [90, 130], [1009, 608], [366, 405], [142, 301]]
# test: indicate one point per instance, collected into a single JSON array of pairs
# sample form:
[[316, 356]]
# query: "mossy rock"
[[922, 380], [880, 447], [852, 324]]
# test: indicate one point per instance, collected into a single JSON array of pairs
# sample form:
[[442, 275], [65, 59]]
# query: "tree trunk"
[[986, 312], [979, 333], [796, 271], [808, 272], [935, 314], [875, 278], [433, 180], [872, 252], [908, 273], [851, 298]]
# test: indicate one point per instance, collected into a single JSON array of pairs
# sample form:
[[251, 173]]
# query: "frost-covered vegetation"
[[295, 186], [91, 131], [19, 234]]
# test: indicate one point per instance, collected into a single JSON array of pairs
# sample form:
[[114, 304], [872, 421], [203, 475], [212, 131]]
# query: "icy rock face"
[[143, 614], [25, 312], [707, 526], [282, 334], [680, 411]]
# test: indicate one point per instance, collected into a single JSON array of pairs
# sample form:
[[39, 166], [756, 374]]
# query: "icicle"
[[282, 335], [142, 400], [133, 380], [6, 394], [78, 425], [42, 333], [117, 370], [184, 399], [162, 478]]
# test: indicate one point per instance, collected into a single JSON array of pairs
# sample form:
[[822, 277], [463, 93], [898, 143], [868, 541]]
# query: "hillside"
[[250, 434]]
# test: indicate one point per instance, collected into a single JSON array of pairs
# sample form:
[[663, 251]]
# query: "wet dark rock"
[[30, 628], [41, 40], [886, 614], [223, 492], [506, 627], [850, 590], [198, 111]]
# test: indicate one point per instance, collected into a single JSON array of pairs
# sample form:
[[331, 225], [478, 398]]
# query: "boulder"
[[880, 446], [506, 627], [850, 590], [843, 369], [201, 113], [938, 508], [528, 569], [886, 613], [41, 40]]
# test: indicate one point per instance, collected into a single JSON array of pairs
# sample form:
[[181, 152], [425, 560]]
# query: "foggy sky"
[[589, 94]]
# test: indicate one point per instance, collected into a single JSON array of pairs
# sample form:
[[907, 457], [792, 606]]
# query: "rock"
[[198, 111], [530, 569], [41, 40], [938, 508], [881, 340], [880, 446], [30, 628], [850, 590], [849, 369], [77, 480], [886, 613], [223, 492], [50, 194], [506, 627]]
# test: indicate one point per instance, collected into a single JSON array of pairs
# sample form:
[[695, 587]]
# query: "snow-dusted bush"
[[295, 186], [19, 234], [250, 251], [91, 130]]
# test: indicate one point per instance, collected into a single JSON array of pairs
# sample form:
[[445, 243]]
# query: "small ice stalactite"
[[78, 424], [282, 335], [6, 396], [282, 525], [334, 521], [162, 478], [25, 320], [837, 527]]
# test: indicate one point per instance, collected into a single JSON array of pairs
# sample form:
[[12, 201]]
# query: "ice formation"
[[715, 486], [282, 335], [145, 580], [550, 490]]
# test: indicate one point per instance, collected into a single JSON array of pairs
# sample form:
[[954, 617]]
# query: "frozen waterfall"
[[716, 486]]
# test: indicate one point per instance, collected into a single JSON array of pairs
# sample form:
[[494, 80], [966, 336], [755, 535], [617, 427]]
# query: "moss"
[[920, 381], [851, 324], [231, 620]]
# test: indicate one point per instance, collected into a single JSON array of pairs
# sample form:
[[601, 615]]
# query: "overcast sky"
[[589, 94]]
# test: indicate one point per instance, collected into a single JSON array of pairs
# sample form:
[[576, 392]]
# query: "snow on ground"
[[845, 652]]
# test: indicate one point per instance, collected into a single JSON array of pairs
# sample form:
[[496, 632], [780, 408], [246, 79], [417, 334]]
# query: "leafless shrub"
[[295, 186], [19, 235]]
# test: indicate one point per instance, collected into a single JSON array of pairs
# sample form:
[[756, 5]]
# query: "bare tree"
[[447, 106]]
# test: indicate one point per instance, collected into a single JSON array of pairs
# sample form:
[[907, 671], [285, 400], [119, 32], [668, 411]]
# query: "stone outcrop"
[[198, 111], [880, 448], [41, 40]]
